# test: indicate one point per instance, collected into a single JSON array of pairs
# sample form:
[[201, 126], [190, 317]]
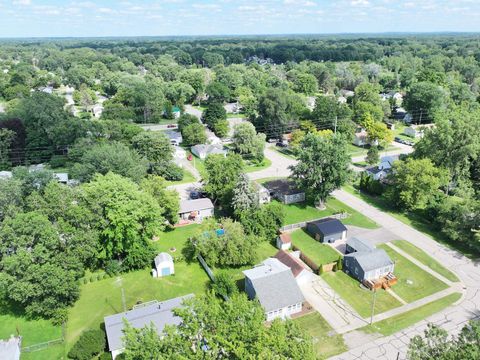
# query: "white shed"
[[163, 265]]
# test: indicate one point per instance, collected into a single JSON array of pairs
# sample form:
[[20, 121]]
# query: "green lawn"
[[398, 132], [283, 151], [412, 219], [187, 178], [32, 332], [355, 150], [175, 238], [237, 115], [423, 284], [359, 299], [319, 253], [325, 341], [425, 259], [249, 167], [299, 212], [399, 322]]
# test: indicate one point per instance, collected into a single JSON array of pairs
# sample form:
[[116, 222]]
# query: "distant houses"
[[417, 131], [275, 287], [160, 314]]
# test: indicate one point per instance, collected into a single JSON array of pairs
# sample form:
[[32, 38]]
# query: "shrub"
[[168, 170], [113, 267], [106, 356], [224, 285], [91, 342], [339, 264]]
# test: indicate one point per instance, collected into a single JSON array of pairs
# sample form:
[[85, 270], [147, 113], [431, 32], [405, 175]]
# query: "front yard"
[[359, 299], [319, 253], [325, 341], [413, 282]]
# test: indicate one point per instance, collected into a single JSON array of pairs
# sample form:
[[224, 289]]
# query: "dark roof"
[[291, 261], [329, 226], [282, 186], [371, 260]]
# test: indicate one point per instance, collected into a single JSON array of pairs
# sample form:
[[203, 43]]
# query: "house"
[[274, 285], [176, 112], [292, 260], [342, 100], [174, 136], [285, 191], [346, 93], [327, 230], [163, 265], [360, 138], [284, 241], [97, 110], [263, 194], [196, 210], [157, 313], [203, 150], [10, 349], [377, 173], [386, 162], [311, 100], [368, 265], [61, 177], [355, 244], [417, 131]]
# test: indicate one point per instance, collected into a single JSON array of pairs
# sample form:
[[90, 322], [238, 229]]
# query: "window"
[[356, 271]]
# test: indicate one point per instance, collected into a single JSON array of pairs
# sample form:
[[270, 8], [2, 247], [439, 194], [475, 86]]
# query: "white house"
[[275, 287], [10, 349], [417, 131], [342, 100], [163, 265], [97, 110], [203, 150], [360, 138], [377, 173], [174, 136], [6, 174], [284, 241], [196, 210]]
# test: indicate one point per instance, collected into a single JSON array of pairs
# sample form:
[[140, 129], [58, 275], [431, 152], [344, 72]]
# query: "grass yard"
[[319, 253], [423, 283], [399, 322], [175, 238], [325, 341], [359, 299], [32, 332], [187, 178], [283, 151], [412, 219], [295, 213], [355, 150], [425, 259], [249, 167]]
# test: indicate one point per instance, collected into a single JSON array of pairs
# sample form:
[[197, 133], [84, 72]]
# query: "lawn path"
[[391, 292]]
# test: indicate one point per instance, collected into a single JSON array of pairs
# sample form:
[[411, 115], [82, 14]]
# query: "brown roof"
[[292, 262], [285, 238]]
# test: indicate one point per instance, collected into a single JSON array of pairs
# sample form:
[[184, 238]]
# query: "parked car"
[[171, 126], [194, 195], [397, 139], [281, 144]]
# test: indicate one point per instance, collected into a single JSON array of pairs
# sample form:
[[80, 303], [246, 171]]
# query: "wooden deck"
[[385, 282]]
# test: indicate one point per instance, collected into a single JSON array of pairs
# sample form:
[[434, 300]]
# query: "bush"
[[85, 280], [91, 342], [113, 267], [224, 285], [106, 356], [168, 170]]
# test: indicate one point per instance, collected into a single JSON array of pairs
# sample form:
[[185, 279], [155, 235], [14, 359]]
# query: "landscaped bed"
[[425, 259], [399, 322], [413, 282], [319, 253], [360, 299], [325, 342]]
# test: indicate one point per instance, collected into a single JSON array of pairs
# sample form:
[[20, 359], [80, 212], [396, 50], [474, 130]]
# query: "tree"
[[378, 132], [6, 139], [166, 199], [194, 134], [327, 108], [38, 271], [245, 197], [415, 183], [126, 218], [90, 343], [105, 157], [11, 197], [247, 142], [154, 146], [323, 166], [224, 285], [85, 97], [222, 174], [224, 244], [185, 120], [373, 155], [213, 329], [217, 92], [423, 100], [263, 222], [215, 116]]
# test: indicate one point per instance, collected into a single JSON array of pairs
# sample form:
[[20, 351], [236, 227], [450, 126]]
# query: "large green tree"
[[423, 99], [247, 142], [215, 116], [167, 199], [323, 165]]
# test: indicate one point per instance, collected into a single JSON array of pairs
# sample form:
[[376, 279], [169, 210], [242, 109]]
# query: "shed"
[[163, 265], [355, 244], [284, 241], [368, 265], [327, 230]]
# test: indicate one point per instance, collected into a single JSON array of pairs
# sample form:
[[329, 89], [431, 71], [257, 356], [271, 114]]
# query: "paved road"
[[279, 167], [452, 318], [189, 109]]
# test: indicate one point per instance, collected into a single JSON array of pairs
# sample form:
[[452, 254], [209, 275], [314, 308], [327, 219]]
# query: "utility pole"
[[373, 305], [123, 301], [335, 124]]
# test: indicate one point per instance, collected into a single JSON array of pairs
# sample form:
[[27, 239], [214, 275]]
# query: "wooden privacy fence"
[[302, 224]]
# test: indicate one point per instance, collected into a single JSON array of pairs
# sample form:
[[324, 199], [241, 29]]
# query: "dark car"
[[194, 195], [281, 144], [397, 139], [171, 126]]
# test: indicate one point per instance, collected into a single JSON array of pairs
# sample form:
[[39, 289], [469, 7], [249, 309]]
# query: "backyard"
[[359, 299], [413, 282], [187, 178], [325, 341], [319, 253]]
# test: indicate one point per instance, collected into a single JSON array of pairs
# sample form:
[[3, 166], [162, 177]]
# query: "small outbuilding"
[[327, 230], [368, 265], [10, 349], [163, 265], [284, 241]]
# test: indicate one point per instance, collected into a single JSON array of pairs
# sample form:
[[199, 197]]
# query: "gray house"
[[285, 191], [368, 265], [196, 210], [327, 230], [355, 244], [274, 285], [158, 313]]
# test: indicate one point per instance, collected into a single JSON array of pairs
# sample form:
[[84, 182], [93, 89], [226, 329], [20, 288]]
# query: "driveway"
[[375, 237], [189, 109], [279, 168]]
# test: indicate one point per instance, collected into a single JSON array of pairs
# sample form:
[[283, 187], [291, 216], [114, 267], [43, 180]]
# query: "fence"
[[41, 346], [302, 224], [206, 267], [309, 262]]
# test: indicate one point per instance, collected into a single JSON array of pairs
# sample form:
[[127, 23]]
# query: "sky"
[[70, 18]]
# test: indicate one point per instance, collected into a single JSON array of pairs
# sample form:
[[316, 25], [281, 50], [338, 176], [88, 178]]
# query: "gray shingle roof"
[[360, 244], [274, 285], [195, 205], [371, 260], [159, 313], [329, 226]]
